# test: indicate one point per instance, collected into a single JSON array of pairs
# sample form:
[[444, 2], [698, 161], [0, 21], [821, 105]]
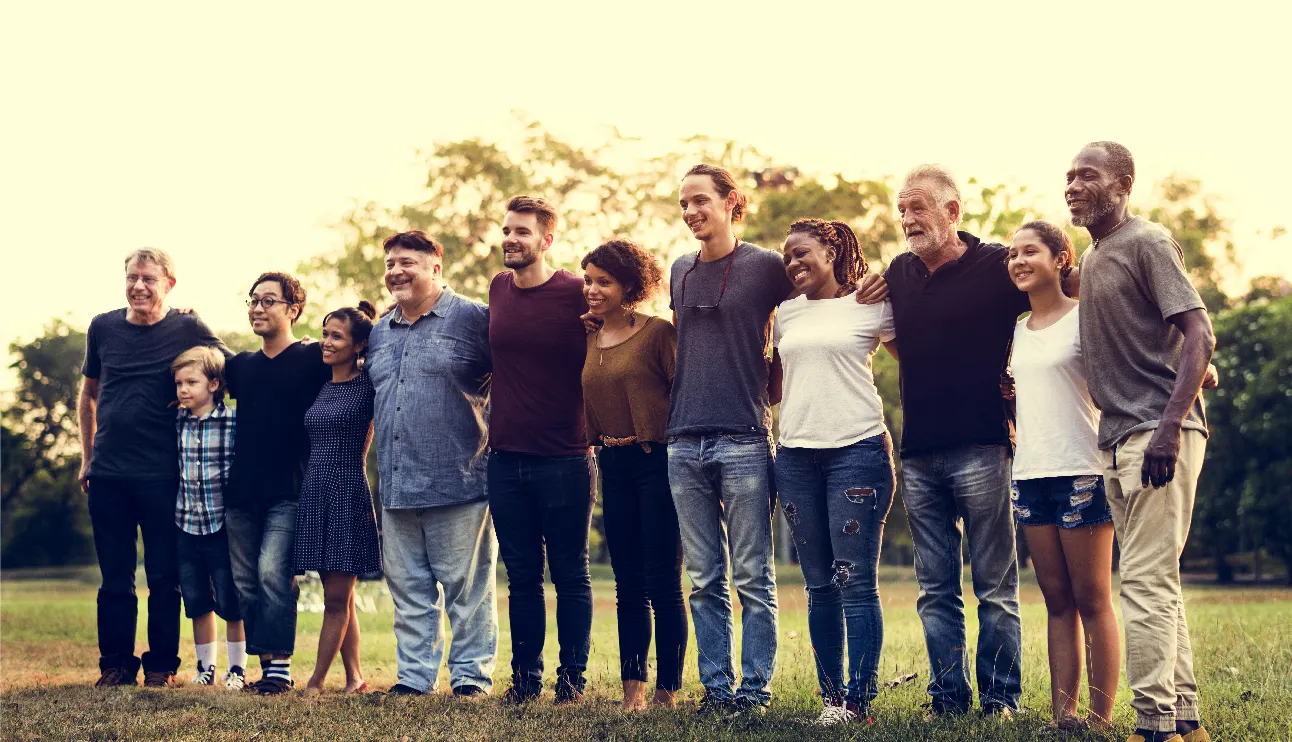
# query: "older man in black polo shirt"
[[955, 307]]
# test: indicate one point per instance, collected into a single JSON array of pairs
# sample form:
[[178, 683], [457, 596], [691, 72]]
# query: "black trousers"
[[646, 555], [119, 510]]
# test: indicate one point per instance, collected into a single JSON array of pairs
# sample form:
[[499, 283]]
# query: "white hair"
[[944, 185]]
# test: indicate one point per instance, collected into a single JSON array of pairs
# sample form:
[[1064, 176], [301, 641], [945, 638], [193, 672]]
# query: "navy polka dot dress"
[[336, 528]]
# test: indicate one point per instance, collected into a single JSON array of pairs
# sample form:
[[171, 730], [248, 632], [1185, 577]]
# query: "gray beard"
[[1098, 210], [929, 245]]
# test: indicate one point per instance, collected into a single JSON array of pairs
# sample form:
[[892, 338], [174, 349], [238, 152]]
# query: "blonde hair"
[[208, 360], [152, 254]]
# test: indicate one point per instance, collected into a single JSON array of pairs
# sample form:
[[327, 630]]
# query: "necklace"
[[1122, 223], [601, 347]]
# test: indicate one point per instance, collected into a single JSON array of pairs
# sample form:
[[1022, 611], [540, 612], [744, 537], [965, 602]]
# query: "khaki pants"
[[1152, 526]]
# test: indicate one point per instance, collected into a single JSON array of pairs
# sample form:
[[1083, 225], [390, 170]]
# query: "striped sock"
[[281, 669]]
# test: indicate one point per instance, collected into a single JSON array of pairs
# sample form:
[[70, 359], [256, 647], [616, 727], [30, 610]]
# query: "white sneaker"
[[204, 676], [833, 715], [235, 679]]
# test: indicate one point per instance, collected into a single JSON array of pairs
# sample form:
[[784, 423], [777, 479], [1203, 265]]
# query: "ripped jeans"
[[836, 501]]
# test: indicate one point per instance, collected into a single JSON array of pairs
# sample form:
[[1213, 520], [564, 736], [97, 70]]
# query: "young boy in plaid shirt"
[[206, 430]]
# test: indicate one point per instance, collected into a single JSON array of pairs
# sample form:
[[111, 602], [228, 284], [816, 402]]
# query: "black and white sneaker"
[[235, 678], [205, 675]]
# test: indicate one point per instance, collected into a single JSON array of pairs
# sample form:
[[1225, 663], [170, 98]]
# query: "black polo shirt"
[[954, 328]]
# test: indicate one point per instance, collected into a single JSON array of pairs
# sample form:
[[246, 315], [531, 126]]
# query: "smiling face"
[[1093, 192], [272, 320], [603, 291], [809, 265], [1032, 264], [927, 226], [193, 389], [704, 210], [146, 286], [411, 274], [523, 240], [339, 349]]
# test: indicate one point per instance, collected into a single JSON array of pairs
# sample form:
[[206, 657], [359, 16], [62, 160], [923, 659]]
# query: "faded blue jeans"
[[940, 490], [723, 489], [260, 554], [836, 501], [441, 561]]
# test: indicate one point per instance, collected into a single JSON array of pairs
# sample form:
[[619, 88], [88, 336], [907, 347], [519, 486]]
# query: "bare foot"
[[664, 699], [634, 696], [313, 690], [359, 685]]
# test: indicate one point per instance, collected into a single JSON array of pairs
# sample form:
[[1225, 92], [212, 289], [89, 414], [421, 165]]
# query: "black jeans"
[[544, 503], [646, 554], [119, 510]]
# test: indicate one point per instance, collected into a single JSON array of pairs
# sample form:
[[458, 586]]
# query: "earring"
[[628, 315]]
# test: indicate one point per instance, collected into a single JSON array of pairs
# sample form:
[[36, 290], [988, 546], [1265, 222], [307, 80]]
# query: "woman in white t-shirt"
[[834, 464], [1058, 493]]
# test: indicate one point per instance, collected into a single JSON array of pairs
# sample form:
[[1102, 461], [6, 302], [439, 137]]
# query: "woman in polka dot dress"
[[336, 528]]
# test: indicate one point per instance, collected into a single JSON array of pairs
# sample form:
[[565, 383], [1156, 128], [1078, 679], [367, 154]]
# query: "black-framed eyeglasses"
[[721, 291], [268, 303]]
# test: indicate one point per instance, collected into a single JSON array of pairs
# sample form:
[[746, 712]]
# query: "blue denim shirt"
[[432, 406]]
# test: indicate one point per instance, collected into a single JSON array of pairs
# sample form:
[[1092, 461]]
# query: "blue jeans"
[[723, 489], [441, 560], [940, 489], [543, 504], [260, 552], [121, 509], [205, 575], [836, 501]]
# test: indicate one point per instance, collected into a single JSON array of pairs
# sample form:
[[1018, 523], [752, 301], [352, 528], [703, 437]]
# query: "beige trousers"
[[1152, 525]]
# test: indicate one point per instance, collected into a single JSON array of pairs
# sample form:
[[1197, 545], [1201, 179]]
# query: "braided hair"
[[849, 263]]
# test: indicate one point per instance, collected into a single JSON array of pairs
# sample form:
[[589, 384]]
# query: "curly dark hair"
[[849, 263], [632, 266], [293, 291]]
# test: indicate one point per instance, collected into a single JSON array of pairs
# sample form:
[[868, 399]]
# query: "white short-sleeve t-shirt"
[[828, 397], [1058, 423]]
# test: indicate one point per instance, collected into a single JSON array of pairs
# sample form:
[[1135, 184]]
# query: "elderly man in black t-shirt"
[[954, 307], [274, 387], [130, 465]]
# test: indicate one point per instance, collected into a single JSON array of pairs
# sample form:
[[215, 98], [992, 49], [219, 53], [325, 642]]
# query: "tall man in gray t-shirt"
[[130, 465], [1147, 339]]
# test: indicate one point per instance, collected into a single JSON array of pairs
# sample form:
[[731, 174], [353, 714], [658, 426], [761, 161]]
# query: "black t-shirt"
[[271, 448], [954, 328], [136, 436]]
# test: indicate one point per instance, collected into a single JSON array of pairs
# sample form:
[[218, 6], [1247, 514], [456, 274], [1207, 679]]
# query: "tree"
[[1190, 216], [43, 511], [1244, 489]]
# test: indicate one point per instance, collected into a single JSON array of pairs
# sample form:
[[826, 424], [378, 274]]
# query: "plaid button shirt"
[[205, 453]]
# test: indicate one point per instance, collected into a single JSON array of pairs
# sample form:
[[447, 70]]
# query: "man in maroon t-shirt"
[[540, 483]]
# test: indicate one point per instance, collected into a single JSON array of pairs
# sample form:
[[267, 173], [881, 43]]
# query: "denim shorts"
[[1066, 502], [205, 577]]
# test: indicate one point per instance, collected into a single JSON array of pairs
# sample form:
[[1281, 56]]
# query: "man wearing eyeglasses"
[[719, 456], [274, 386], [130, 465]]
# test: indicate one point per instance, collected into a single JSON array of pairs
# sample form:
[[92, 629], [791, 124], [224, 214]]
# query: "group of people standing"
[[494, 423]]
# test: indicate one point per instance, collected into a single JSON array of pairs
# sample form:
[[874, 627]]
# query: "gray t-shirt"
[[136, 435], [720, 384], [1130, 285]]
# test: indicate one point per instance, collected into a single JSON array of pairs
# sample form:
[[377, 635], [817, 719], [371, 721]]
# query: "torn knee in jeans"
[[842, 572]]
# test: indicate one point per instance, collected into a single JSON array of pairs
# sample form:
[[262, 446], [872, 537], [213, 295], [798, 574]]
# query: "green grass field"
[[48, 660]]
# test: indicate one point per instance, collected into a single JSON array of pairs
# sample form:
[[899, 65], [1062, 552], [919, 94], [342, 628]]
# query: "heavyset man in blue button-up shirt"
[[429, 362]]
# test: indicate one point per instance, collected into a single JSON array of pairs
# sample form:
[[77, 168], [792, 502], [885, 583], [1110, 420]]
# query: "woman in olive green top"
[[626, 379]]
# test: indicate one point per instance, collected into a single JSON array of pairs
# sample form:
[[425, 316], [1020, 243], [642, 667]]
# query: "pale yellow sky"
[[234, 134]]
